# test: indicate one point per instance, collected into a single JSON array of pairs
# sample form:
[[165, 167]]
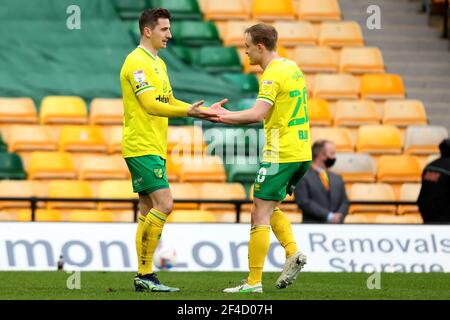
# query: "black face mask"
[[330, 162]]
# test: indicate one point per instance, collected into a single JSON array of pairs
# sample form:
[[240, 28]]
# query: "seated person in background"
[[321, 194], [434, 197]]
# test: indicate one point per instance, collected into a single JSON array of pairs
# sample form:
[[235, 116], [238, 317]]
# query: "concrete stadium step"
[[410, 48], [418, 68], [394, 56], [428, 95], [430, 81]]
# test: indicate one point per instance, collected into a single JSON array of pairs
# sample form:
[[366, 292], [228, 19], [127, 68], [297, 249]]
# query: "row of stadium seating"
[[114, 189], [312, 10], [186, 140], [73, 110]]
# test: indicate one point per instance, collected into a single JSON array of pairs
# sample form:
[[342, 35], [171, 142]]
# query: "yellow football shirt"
[[143, 134], [286, 124]]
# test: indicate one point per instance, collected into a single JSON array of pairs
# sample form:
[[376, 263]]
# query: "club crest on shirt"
[[139, 76], [267, 86], [158, 173]]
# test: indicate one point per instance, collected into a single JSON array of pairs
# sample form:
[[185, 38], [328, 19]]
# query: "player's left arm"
[[252, 115]]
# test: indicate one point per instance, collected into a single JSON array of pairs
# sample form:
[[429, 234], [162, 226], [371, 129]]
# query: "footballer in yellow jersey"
[[282, 105], [148, 102]]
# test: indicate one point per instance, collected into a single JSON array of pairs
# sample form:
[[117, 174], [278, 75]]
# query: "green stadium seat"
[[218, 59], [195, 33], [179, 9], [247, 83], [11, 166], [244, 104], [130, 9], [3, 145], [243, 170], [185, 53], [229, 142]]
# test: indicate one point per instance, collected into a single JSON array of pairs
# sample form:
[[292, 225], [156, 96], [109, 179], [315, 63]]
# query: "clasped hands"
[[212, 114]]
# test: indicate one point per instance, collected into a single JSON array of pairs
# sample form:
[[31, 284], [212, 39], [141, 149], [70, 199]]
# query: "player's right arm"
[[154, 107]]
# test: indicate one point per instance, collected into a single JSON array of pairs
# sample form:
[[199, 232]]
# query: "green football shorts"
[[275, 180], [148, 173]]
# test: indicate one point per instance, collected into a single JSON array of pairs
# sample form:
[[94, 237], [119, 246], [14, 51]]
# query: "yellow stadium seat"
[[184, 140], [206, 169], [185, 191], [340, 136], [69, 189], [17, 110], [82, 139], [309, 79], [316, 59], [352, 113], [267, 10], [361, 60], [226, 10], [101, 167], [404, 113], [116, 189], [379, 139], [173, 168], [191, 216], [319, 10], [319, 112], [90, 216], [51, 165], [399, 168], [372, 192], [114, 139], [221, 191], [31, 138], [340, 34], [292, 33], [360, 218], [234, 32], [424, 139], [382, 86], [49, 215], [394, 219], [248, 68], [18, 188], [335, 86], [63, 110], [409, 192], [355, 167], [106, 111]]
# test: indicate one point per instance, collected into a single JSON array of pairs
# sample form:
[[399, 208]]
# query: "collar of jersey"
[[147, 52], [270, 63]]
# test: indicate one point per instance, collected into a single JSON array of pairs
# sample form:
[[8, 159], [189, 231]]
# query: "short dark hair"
[[265, 34], [318, 146], [149, 18]]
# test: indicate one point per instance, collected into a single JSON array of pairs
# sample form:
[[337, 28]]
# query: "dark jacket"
[[316, 202], [434, 197]]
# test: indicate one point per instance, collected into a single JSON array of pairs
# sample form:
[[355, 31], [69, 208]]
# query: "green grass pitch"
[[208, 285]]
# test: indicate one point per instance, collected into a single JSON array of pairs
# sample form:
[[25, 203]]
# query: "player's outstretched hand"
[[218, 106], [195, 111]]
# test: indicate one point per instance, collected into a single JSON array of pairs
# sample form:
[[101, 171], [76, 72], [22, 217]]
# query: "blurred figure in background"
[[321, 194], [434, 197]]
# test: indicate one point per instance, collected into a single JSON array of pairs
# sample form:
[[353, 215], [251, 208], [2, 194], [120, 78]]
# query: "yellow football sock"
[[151, 232], [281, 227], [258, 246], [141, 221]]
